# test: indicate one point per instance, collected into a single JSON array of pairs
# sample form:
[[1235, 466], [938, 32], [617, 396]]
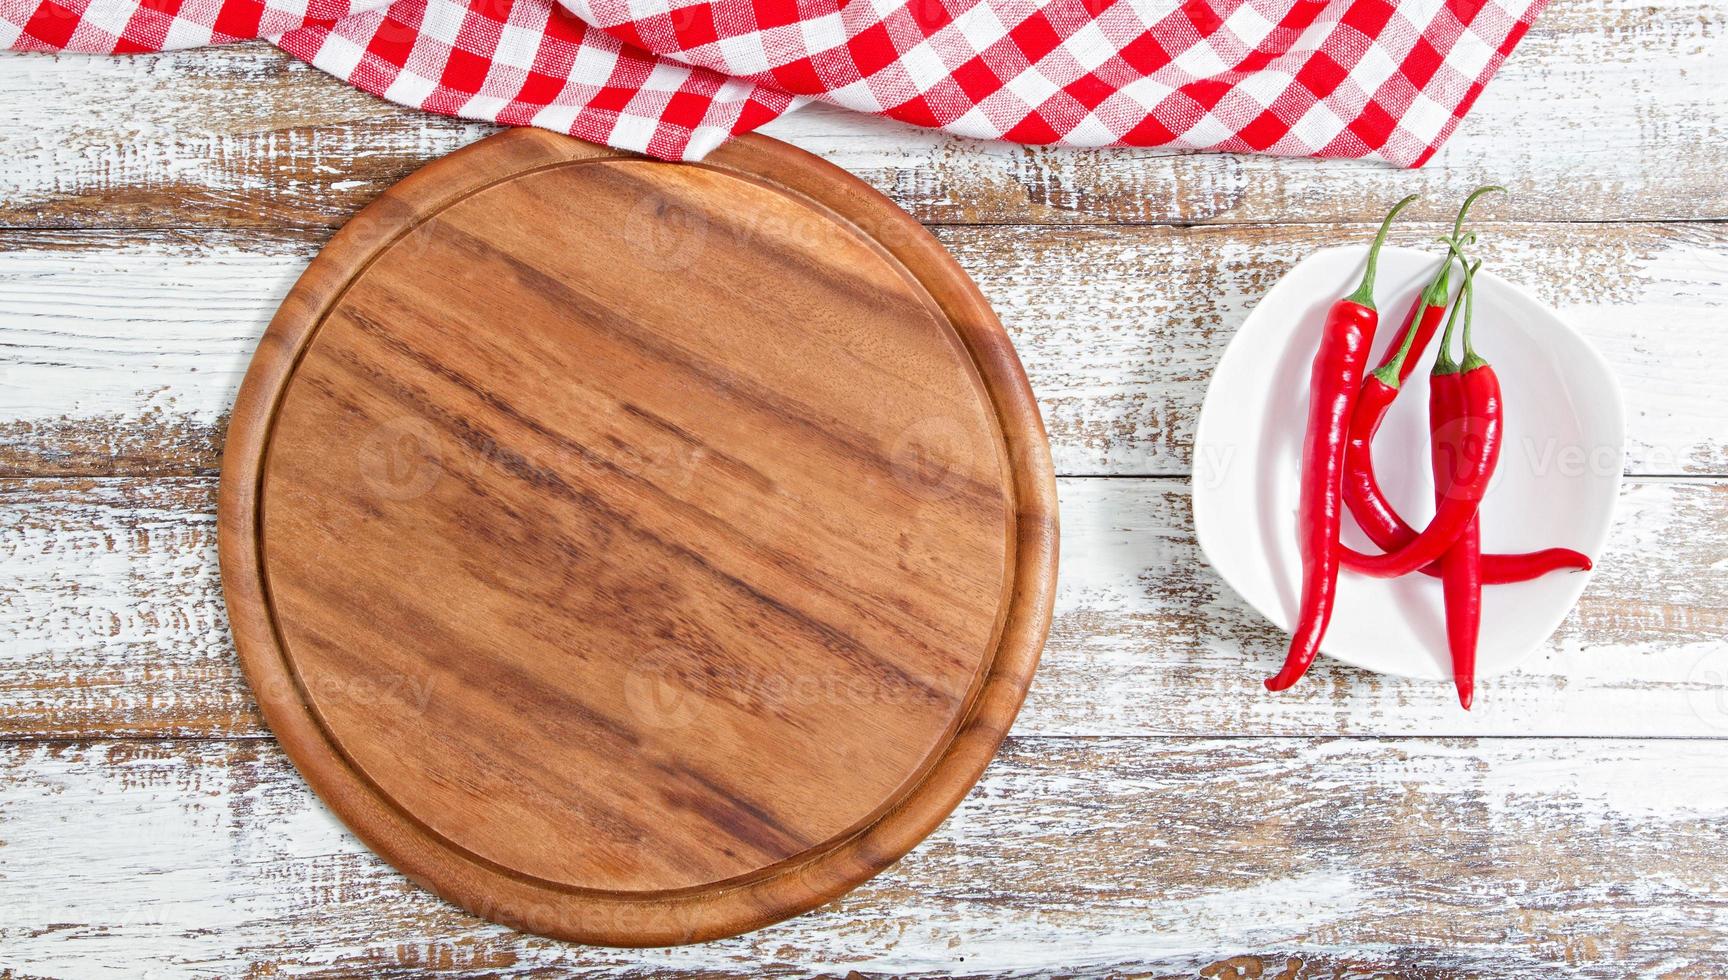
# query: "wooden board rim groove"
[[796, 884], [311, 328]]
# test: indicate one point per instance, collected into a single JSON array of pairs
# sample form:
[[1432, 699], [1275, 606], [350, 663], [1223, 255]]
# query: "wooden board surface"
[[158, 208], [637, 616]]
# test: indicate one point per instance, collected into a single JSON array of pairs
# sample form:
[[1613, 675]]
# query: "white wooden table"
[[1154, 812]]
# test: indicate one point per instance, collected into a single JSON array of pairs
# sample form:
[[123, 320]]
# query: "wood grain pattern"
[[1606, 111], [202, 182], [135, 341], [629, 617], [1435, 859], [110, 600]]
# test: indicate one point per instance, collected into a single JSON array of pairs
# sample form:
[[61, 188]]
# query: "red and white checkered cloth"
[[676, 78]]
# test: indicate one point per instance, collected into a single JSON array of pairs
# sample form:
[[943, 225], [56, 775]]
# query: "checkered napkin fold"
[[675, 78]]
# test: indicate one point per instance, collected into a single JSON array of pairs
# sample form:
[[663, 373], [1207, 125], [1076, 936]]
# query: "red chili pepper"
[[1389, 531], [1473, 393], [1334, 380], [1431, 302], [1460, 586], [1362, 494], [1473, 465]]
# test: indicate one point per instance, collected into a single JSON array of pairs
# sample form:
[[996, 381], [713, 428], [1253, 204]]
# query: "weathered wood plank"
[[111, 606], [1157, 856], [1358, 857], [121, 352], [1608, 110], [130, 351]]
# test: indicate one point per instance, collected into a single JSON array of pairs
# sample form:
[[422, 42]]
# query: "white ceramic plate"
[[1556, 485]]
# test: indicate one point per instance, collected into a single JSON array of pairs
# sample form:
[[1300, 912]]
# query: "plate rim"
[[1203, 501]]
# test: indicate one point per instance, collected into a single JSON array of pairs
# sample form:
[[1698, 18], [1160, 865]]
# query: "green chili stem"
[[1389, 372], [1443, 362], [1472, 360], [1364, 294], [1458, 223], [1439, 289]]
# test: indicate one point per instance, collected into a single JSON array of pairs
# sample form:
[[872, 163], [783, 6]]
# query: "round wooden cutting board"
[[632, 552]]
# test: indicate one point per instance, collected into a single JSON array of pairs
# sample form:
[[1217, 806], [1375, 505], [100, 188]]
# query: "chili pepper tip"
[[1287, 676], [1466, 691]]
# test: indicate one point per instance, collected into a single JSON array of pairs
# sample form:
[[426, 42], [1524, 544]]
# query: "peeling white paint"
[[111, 605], [216, 859], [156, 328], [1156, 849]]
